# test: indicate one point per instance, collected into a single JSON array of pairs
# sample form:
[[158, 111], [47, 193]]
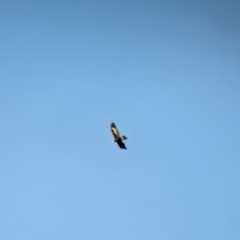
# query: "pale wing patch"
[[115, 132]]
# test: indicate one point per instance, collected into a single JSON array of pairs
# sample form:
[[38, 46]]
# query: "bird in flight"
[[117, 138]]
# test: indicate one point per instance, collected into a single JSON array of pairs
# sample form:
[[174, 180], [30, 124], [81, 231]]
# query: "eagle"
[[117, 138]]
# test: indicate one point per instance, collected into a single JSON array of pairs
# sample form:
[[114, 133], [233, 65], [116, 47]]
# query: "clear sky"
[[167, 73]]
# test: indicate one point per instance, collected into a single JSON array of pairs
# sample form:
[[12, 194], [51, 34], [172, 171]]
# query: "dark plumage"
[[117, 138]]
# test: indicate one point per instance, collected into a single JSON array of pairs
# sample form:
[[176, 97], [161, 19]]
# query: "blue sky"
[[167, 73]]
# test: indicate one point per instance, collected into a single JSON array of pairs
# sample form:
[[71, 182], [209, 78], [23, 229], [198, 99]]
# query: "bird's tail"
[[124, 137]]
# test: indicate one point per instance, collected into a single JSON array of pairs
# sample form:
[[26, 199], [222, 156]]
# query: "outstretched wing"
[[114, 130], [121, 144]]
